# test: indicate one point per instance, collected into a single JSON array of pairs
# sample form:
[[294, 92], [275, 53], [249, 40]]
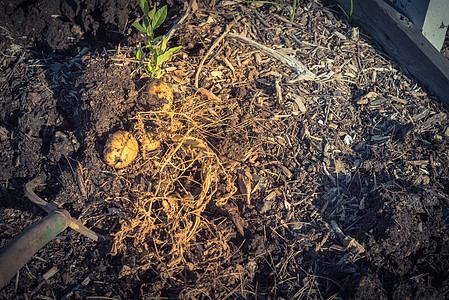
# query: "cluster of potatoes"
[[122, 147]]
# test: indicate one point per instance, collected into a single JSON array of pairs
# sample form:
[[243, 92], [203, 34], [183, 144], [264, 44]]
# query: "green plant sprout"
[[157, 53], [351, 12], [292, 14], [274, 174]]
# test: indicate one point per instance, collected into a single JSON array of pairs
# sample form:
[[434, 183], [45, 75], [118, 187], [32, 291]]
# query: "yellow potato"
[[149, 143], [120, 149], [162, 92]]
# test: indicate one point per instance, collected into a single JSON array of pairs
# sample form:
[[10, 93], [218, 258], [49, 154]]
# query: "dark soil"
[[375, 166]]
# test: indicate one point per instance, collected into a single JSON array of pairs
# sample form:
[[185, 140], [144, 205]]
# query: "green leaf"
[[292, 15], [151, 13], [145, 7], [139, 55], [164, 43], [159, 74], [159, 17], [145, 24], [155, 56], [139, 27], [157, 39], [174, 49], [149, 33], [163, 58], [351, 11], [148, 30]]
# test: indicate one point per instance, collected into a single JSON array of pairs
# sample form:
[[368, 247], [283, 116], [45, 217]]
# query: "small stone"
[[348, 140], [355, 34], [216, 74], [366, 98], [300, 102], [3, 134], [266, 207]]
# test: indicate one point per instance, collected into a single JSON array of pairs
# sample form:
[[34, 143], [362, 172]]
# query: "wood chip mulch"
[[341, 162]]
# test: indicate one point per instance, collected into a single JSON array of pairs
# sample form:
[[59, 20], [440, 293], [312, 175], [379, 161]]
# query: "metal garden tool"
[[17, 252]]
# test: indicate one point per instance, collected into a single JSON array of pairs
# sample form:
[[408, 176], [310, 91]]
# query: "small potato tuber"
[[149, 143], [160, 95], [121, 149]]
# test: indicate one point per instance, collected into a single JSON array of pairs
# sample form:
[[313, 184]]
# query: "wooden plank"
[[404, 42], [431, 17]]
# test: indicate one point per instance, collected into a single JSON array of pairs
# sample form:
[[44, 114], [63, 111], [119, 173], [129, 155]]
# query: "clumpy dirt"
[[60, 25], [263, 187]]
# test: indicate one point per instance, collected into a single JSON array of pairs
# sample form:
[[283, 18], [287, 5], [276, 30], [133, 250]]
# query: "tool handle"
[[18, 251]]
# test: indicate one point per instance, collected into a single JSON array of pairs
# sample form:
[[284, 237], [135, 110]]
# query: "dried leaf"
[[244, 181]]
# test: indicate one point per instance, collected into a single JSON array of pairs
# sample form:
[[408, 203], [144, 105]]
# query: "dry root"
[[168, 225]]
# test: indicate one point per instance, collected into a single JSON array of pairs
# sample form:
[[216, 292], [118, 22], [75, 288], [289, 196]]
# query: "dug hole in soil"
[[263, 185]]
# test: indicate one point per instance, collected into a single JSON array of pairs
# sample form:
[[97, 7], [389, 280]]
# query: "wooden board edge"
[[404, 42]]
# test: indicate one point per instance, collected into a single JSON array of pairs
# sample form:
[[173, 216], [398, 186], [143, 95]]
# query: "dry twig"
[[294, 64], [215, 44]]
